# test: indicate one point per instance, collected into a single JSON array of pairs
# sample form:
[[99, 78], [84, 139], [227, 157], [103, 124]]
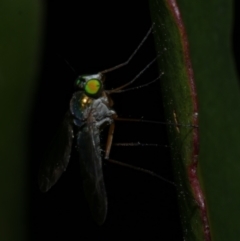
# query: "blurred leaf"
[[19, 47], [208, 32]]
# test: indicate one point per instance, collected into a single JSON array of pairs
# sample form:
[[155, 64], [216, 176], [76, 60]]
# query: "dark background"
[[93, 37]]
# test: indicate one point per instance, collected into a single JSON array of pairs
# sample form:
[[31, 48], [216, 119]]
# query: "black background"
[[93, 37]]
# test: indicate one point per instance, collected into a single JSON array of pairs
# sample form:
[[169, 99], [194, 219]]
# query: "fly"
[[89, 112]]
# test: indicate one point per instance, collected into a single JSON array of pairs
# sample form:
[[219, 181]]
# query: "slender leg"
[[141, 170], [149, 173], [109, 140], [138, 144], [138, 120], [153, 122], [130, 82], [133, 54]]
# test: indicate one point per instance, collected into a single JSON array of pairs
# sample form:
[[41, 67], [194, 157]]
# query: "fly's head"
[[92, 85]]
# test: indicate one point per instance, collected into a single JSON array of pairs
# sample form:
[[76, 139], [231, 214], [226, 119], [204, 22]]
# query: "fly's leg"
[[154, 122], [133, 54], [109, 140], [141, 170], [108, 148], [137, 144], [109, 144], [108, 121], [105, 121], [104, 116], [107, 151]]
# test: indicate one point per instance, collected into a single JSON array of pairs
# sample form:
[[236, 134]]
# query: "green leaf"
[[19, 48], [194, 46]]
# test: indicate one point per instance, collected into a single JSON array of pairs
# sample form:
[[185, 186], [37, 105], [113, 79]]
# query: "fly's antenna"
[[133, 54], [68, 64]]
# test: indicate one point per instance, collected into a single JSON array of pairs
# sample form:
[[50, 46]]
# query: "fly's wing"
[[88, 141], [55, 163]]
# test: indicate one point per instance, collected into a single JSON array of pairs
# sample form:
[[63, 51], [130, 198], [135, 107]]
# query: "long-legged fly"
[[90, 111]]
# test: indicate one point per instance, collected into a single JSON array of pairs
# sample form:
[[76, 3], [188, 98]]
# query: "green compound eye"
[[92, 86]]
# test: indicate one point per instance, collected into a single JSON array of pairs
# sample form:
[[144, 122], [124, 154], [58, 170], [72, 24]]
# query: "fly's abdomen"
[[88, 142]]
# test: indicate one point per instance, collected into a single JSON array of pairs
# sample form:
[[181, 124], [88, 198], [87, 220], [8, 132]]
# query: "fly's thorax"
[[101, 110], [79, 106], [84, 109]]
